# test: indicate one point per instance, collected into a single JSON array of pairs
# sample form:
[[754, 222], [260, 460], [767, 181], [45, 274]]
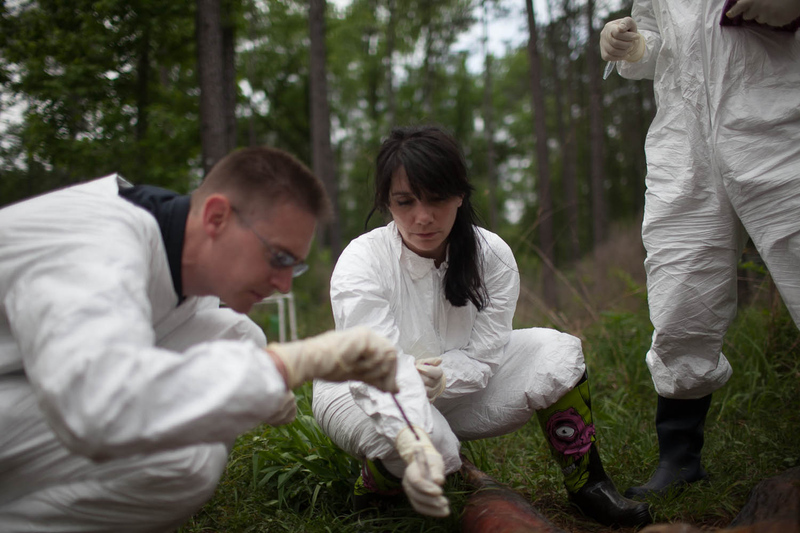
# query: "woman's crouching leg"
[[353, 431], [539, 366]]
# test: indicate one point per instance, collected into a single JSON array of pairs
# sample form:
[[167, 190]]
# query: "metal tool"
[[609, 69]]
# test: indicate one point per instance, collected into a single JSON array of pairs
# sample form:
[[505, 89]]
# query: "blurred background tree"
[[159, 91]]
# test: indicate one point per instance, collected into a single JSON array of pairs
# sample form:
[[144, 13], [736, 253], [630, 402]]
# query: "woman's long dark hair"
[[435, 166]]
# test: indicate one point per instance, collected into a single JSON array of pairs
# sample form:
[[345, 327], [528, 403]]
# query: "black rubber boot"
[[570, 432], [679, 426]]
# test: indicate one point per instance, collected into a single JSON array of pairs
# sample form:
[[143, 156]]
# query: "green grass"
[[293, 479]]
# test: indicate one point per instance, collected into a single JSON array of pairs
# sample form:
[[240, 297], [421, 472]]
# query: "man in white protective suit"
[[123, 383], [723, 162]]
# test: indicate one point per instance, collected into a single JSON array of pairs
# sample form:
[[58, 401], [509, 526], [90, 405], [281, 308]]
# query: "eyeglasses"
[[277, 258]]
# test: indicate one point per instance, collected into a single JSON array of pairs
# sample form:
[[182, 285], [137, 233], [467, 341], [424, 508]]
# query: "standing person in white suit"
[[723, 162], [123, 384], [445, 292]]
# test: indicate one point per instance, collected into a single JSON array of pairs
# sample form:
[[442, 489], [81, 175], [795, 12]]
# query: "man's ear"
[[217, 214]]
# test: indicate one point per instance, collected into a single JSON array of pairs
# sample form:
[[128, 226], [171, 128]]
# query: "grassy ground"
[[292, 479]]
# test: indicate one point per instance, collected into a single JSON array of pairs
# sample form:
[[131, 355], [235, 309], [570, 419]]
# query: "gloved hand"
[[619, 41], [432, 376], [356, 353], [773, 12], [286, 411], [424, 475]]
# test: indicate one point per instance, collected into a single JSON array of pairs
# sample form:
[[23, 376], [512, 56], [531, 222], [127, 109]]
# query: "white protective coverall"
[[495, 377], [723, 155], [117, 406]]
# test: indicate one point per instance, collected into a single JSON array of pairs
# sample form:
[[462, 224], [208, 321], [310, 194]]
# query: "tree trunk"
[[596, 167], [322, 152], [391, 36], [545, 219], [647, 104], [488, 123], [213, 121], [142, 83], [142, 100], [428, 61], [252, 138], [229, 82], [566, 129]]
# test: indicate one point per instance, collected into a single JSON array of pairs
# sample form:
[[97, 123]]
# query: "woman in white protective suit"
[[445, 291], [723, 162], [123, 384]]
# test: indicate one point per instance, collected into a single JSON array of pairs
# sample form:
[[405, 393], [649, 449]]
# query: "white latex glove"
[[619, 41], [285, 413], [424, 475], [432, 376], [773, 12], [357, 353]]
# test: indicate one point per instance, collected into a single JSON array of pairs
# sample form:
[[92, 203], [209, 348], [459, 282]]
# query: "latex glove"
[[773, 12], [424, 475], [357, 353], [286, 411], [432, 376], [619, 41]]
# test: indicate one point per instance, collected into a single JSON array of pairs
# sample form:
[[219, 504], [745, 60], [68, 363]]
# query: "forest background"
[[159, 91]]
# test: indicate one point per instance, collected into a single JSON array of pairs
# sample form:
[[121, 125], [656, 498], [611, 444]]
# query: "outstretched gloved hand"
[[424, 475], [356, 353], [432, 376], [619, 41], [772, 12]]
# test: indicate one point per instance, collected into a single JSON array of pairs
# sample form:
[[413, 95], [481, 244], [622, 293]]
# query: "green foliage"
[[107, 87], [298, 461], [294, 479]]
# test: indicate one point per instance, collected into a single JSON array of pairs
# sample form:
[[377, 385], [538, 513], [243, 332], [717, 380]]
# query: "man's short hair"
[[258, 177]]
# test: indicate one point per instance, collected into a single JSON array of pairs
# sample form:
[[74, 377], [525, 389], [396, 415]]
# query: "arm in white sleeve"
[[468, 369], [644, 15], [83, 325]]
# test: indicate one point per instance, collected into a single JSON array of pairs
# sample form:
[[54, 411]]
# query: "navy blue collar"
[[170, 210]]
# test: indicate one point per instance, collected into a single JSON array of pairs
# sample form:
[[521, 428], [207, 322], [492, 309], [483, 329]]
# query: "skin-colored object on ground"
[[495, 508], [773, 507], [762, 527]]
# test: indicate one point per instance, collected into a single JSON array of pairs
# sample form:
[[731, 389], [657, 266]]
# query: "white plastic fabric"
[[117, 407], [723, 155], [496, 378]]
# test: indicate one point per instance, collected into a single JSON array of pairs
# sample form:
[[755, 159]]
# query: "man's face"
[[245, 270]]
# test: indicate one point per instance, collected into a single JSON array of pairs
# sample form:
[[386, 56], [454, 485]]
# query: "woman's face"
[[425, 223]]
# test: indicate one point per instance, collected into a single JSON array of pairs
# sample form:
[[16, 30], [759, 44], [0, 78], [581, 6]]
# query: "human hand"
[[619, 41], [424, 475], [772, 12], [285, 412], [356, 353], [432, 376]]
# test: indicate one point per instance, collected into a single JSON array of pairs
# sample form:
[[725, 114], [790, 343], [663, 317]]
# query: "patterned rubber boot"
[[375, 487], [570, 432]]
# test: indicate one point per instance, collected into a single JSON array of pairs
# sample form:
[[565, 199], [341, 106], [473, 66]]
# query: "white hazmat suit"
[[118, 405], [496, 377], [723, 162]]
